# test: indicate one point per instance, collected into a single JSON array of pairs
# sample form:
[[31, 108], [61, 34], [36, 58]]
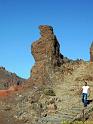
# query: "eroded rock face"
[[47, 47], [46, 52], [91, 52]]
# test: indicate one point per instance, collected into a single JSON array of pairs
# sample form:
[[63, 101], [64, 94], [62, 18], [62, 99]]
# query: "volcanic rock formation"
[[91, 52], [8, 79], [46, 52], [55, 103]]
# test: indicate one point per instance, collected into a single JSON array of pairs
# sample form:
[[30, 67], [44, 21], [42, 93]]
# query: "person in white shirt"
[[85, 91]]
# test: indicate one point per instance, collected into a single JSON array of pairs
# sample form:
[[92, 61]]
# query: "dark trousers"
[[84, 99]]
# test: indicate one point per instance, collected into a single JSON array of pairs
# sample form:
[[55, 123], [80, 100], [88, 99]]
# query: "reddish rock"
[[91, 52], [46, 52]]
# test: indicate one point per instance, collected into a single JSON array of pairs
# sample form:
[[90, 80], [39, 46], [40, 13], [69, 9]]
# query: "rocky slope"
[[8, 79], [52, 94]]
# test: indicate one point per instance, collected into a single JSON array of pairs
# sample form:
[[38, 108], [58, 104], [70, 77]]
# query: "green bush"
[[2, 86], [49, 91]]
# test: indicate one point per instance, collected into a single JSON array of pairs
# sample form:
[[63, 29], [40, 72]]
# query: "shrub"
[[49, 91]]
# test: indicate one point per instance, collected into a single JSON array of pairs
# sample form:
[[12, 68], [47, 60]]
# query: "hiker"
[[85, 91]]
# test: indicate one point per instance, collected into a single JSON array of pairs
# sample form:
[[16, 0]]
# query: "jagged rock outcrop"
[[91, 52], [46, 52]]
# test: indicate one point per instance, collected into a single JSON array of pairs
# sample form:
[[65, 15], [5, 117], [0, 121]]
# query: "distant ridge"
[[8, 78]]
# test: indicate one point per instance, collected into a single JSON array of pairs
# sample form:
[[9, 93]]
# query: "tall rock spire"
[[47, 47], [46, 52], [91, 52]]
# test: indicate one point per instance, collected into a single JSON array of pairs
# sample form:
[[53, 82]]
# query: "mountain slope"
[[7, 78]]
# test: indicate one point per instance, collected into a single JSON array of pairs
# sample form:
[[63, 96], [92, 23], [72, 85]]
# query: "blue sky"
[[72, 21]]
